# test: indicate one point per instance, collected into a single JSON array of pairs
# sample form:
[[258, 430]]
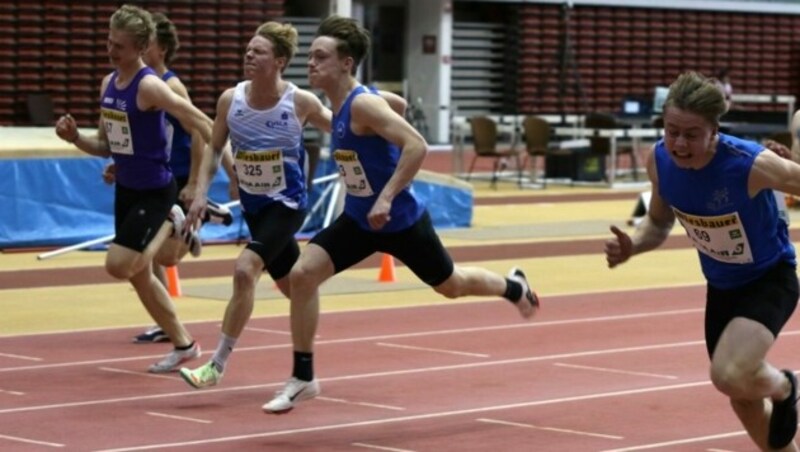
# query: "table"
[[613, 135]]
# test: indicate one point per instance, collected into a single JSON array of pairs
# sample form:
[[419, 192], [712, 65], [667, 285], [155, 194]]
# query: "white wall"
[[428, 75]]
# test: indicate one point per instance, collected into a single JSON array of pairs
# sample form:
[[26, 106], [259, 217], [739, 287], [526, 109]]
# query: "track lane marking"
[[376, 447], [615, 371], [178, 418], [531, 359], [22, 357], [634, 316], [31, 441], [418, 417], [696, 439], [367, 404], [549, 429], [435, 350]]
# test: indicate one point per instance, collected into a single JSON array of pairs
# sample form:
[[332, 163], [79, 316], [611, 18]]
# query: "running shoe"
[[783, 421], [218, 214], [204, 376], [174, 359], [528, 302], [151, 336], [294, 391]]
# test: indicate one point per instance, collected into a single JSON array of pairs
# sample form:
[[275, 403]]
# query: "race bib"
[[719, 237], [355, 178], [118, 131], [260, 172]]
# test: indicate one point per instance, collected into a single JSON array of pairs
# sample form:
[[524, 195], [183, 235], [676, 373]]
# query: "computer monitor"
[[631, 107], [659, 98]]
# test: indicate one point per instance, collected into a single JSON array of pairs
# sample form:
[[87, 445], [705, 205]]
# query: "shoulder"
[[368, 101], [177, 86]]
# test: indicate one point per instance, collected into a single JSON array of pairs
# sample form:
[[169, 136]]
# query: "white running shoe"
[[218, 214], [174, 359], [294, 391], [528, 302], [177, 217]]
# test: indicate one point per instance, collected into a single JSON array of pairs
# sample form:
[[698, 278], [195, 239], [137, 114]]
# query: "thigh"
[[272, 230], [345, 243], [421, 250], [139, 214], [768, 301]]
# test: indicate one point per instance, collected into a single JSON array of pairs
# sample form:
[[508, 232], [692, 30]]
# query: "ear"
[[349, 62]]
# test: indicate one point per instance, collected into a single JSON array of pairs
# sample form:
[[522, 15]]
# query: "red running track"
[[617, 371]]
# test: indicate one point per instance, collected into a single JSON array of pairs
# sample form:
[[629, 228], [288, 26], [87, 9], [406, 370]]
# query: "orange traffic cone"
[[173, 281], [387, 269]]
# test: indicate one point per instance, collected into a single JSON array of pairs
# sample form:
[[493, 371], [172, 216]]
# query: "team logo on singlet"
[[283, 123], [719, 200], [340, 129], [122, 105]]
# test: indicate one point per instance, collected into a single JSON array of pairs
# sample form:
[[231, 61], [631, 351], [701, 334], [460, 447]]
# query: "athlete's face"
[[324, 63], [260, 59], [122, 49], [689, 138]]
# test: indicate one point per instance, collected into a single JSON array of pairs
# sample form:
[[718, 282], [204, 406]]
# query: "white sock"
[[224, 349]]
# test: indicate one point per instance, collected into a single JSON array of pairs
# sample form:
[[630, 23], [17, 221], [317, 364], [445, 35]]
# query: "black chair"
[[602, 145], [484, 138], [40, 109]]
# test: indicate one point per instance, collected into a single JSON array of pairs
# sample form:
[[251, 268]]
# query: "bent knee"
[[729, 379], [449, 289], [245, 275], [118, 270]]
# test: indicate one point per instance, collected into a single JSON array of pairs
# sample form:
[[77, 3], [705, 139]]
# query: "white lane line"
[[372, 405], [616, 371], [139, 374], [396, 336], [179, 418], [436, 350], [30, 441], [532, 359], [22, 357], [266, 330], [6, 391], [373, 446], [696, 439], [436, 415], [549, 429]]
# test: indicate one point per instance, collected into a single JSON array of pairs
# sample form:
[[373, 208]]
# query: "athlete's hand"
[[619, 249], [378, 216], [187, 193], [110, 173], [197, 211], [67, 128]]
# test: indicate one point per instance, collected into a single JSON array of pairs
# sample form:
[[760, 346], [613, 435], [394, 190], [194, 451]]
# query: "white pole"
[[78, 246]]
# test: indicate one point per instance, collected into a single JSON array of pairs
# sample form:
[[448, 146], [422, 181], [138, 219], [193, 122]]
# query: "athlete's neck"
[[265, 93], [338, 94], [126, 73]]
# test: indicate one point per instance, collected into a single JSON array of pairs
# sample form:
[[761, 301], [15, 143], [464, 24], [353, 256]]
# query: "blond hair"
[[697, 94], [136, 22], [283, 38]]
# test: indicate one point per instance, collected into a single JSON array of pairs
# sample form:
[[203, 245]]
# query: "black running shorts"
[[139, 214], [769, 300], [272, 230], [418, 247]]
